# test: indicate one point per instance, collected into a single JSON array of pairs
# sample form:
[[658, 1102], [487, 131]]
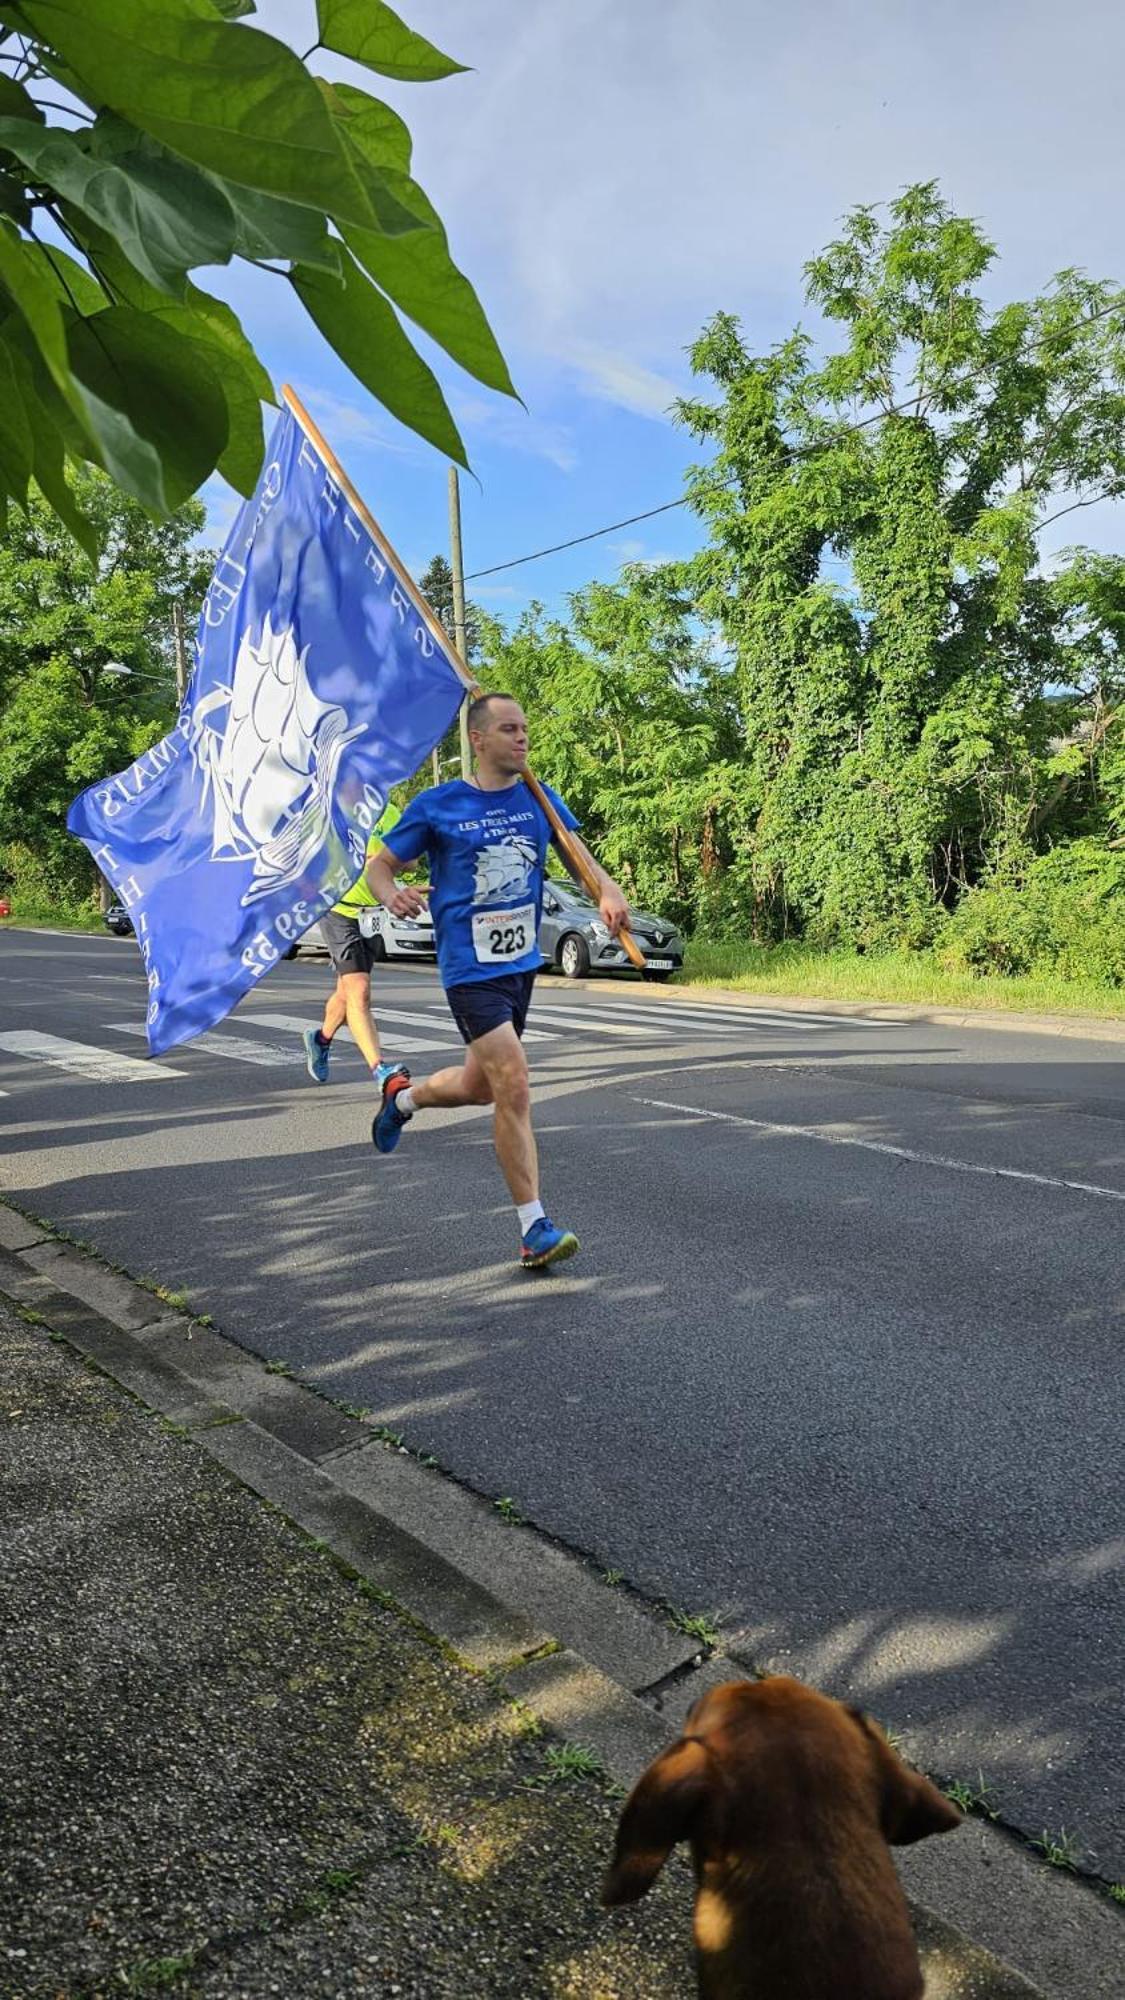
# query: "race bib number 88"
[[499, 936]]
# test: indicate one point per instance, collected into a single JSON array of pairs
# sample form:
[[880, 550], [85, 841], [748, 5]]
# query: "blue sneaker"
[[316, 1055], [387, 1124], [544, 1244]]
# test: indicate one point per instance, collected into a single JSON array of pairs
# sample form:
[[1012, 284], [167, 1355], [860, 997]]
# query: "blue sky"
[[614, 171]]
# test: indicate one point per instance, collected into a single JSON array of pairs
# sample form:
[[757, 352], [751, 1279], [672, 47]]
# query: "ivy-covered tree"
[[143, 139], [897, 717]]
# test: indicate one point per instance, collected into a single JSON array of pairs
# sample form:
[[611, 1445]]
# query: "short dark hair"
[[477, 717]]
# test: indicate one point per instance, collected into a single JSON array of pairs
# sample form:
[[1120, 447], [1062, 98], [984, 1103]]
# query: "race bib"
[[499, 936]]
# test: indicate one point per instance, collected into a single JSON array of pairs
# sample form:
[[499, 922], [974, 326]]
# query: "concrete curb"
[[593, 1663]]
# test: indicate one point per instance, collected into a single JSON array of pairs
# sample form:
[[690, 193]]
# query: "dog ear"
[[663, 1807], [910, 1807]]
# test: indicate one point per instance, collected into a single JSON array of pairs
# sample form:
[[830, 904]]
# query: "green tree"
[[436, 587], [190, 138], [87, 676], [897, 719]]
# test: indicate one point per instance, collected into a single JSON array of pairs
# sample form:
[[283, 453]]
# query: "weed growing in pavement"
[[565, 1764], [973, 1799], [355, 1409], [613, 1577], [278, 1368], [1061, 1850], [1117, 1892], [694, 1625], [334, 1883], [153, 1975], [507, 1509], [387, 1436], [177, 1300], [427, 1459]]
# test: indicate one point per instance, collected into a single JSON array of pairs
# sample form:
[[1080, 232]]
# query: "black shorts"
[[348, 949], [483, 1004]]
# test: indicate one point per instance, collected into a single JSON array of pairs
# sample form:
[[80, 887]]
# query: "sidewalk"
[[235, 1767]]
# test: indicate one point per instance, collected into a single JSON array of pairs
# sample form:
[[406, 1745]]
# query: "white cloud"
[[614, 378], [501, 422]]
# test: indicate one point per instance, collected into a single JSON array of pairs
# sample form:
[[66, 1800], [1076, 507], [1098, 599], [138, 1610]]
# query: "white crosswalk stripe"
[[721, 1019], [295, 1024], [438, 1020], [81, 1059], [237, 1048], [585, 1017]]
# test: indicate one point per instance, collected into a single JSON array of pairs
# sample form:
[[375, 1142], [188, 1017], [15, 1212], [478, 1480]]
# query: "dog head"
[[763, 1760]]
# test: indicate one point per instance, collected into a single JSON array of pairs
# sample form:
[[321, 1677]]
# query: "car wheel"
[[655, 978], [574, 956], [378, 949]]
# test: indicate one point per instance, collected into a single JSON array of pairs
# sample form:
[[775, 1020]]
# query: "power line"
[[796, 454]]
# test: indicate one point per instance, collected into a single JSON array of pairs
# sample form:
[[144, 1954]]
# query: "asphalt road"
[[840, 1362]]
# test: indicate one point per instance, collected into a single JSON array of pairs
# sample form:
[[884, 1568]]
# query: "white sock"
[[529, 1212], [404, 1101]]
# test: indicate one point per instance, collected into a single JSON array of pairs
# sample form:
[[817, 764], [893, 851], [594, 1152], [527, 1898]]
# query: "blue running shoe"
[[316, 1055], [545, 1244], [387, 1124]]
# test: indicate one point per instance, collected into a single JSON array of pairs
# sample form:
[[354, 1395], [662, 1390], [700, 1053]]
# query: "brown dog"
[[789, 1800]]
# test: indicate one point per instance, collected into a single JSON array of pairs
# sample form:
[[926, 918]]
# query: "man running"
[[352, 957], [486, 840]]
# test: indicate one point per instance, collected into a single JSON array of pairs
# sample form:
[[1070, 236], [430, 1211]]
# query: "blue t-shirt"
[[487, 853]]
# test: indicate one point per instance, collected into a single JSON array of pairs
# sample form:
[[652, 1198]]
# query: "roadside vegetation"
[[867, 743]]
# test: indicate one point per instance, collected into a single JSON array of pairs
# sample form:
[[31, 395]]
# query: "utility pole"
[[180, 649], [458, 567]]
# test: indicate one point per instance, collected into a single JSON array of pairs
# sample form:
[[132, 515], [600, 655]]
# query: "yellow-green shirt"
[[359, 896]]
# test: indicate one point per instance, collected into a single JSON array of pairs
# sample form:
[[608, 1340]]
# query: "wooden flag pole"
[[572, 852]]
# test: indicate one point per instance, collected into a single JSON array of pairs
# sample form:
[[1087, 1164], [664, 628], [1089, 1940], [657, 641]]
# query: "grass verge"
[[912, 978]]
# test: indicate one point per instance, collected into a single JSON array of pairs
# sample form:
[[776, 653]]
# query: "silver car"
[[573, 938]]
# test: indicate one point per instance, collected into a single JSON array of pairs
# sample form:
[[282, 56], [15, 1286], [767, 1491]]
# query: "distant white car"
[[391, 937], [398, 937]]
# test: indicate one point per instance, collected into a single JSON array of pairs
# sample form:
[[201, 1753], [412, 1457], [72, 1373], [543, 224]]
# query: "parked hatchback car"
[[118, 920], [573, 938]]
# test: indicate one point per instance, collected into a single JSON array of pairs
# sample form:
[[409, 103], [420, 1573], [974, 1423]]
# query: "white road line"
[[238, 1048], [585, 1017], [894, 1152], [296, 1024], [99, 1065], [748, 1016], [435, 1020]]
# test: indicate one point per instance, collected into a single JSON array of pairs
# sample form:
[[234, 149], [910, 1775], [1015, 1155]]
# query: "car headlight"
[[598, 928]]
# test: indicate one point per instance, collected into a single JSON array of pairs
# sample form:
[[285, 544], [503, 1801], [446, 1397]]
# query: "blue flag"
[[318, 686]]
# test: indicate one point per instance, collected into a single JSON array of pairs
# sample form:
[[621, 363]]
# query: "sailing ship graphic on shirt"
[[268, 751], [505, 868]]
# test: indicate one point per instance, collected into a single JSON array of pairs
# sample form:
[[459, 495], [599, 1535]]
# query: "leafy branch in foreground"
[[193, 138]]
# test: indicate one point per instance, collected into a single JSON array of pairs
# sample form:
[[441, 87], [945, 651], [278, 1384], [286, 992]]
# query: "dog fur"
[[789, 1800]]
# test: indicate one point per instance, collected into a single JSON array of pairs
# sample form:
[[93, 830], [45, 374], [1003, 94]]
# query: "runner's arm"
[[380, 875], [612, 907]]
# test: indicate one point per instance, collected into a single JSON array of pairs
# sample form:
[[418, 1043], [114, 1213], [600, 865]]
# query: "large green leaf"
[[267, 227], [365, 333], [376, 129], [48, 447], [23, 277], [17, 445], [155, 404], [234, 100], [372, 33], [417, 271], [72, 282], [166, 216], [16, 102]]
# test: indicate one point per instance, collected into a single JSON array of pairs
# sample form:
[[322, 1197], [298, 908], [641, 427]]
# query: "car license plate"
[[660, 964]]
